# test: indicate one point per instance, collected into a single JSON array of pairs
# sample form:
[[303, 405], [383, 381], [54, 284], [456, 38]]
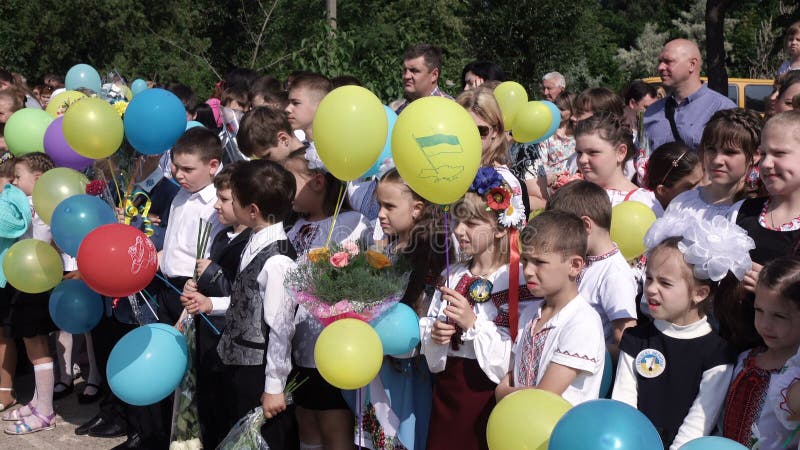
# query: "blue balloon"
[[77, 216], [604, 425], [154, 120], [608, 375], [712, 443], [74, 307], [147, 364], [398, 329], [554, 124], [386, 153], [82, 76], [193, 124], [138, 86]]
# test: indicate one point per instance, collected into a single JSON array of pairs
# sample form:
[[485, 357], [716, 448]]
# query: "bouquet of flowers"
[[347, 281]]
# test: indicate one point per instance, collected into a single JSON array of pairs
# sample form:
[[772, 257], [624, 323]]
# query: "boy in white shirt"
[[607, 281], [195, 160], [560, 345]]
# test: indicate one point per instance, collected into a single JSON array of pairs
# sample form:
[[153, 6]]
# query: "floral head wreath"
[[499, 198], [713, 247]]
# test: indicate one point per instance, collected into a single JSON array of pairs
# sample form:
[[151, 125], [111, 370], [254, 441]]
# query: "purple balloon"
[[55, 145]]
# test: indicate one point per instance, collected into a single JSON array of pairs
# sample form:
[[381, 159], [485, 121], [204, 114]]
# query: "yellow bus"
[[745, 92]]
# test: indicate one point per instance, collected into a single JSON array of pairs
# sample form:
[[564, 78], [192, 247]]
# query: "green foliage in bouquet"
[[347, 271]]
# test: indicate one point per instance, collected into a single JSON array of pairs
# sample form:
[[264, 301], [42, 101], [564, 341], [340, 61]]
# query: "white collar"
[[207, 194], [691, 331], [267, 236], [151, 181]]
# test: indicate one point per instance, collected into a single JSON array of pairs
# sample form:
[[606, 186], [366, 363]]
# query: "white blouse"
[[486, 342]]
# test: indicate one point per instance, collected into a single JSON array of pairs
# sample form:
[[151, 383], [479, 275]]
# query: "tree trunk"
[[715, 45]]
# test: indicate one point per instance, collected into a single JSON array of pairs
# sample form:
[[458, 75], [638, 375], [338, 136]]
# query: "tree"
[[715, 45], [642, 59]]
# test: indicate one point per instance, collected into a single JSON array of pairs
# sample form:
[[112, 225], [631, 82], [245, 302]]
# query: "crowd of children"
[[702, 331]]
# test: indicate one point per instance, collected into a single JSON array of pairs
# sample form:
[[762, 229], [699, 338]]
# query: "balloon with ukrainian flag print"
[[436, 148]]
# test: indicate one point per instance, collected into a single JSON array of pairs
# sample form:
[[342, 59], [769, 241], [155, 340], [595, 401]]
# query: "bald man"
[[682, 115]]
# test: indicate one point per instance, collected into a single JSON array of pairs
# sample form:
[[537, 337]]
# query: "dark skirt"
[[30, 315], [463, 398], [315, 393]]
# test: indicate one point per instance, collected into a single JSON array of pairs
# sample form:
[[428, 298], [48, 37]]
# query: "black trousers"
[[210, 378], [245, 394]]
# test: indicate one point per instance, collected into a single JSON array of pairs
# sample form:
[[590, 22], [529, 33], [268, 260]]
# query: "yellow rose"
[[377, 260], [316, 255]]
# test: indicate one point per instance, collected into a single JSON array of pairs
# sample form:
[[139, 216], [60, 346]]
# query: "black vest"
[[246, 337], [770, 244]]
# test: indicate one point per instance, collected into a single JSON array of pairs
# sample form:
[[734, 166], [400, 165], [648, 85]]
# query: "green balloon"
[[55, 186], [24, 131], [33, 266]]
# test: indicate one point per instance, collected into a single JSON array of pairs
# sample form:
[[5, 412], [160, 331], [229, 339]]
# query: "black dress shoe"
[[85, 399], [84, 429], [106, 429], [58, 395], [134, 442]]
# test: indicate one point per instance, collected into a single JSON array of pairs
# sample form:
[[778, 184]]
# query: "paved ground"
[[70, 415]]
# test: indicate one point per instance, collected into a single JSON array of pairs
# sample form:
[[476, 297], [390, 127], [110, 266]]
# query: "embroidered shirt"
[[573, 337]]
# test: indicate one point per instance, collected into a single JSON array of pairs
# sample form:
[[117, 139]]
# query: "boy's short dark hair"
[[265, 184], [555, 231], [222, 180], [259, 129], [431, 54], [345, 80], [269, 88], [314, 82], [199, 141], [583, 198], [36, 161], [186, 95]]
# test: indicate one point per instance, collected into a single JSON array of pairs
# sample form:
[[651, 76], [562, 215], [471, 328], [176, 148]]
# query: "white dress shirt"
[[180, 241]]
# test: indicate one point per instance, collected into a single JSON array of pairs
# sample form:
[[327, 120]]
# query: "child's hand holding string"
[[190, 286], [458, 308], [195, 302], [202, 265]]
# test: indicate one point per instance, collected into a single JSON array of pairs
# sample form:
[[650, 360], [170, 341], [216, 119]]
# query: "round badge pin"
[[480, 290], [650, 363]]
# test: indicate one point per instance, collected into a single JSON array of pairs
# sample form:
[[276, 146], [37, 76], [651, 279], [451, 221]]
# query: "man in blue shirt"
[[682, 115]]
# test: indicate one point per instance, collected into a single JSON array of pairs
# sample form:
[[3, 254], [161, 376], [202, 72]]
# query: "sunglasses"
[[484, 130]]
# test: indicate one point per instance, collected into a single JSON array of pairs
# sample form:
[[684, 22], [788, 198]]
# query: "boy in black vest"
[[215, 278], [255, 347]]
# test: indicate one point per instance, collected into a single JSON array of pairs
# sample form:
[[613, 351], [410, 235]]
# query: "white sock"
[[44, 376], [64, 354]]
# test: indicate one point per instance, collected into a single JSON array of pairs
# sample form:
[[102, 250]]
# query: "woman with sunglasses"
[[482, 106]]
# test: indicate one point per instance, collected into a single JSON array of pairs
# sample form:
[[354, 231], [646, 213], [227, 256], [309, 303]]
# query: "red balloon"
[[117, 260]]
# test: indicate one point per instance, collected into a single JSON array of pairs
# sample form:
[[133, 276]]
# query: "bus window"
[[754, 96], [733, 93]]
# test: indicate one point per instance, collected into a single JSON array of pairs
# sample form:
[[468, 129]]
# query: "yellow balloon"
[[524, 420], [60, 103], [349, 129], [436, 148], [53, 187], [629, 223], [348, 353], [93, 128], [33, 266], [531, 122], [510, 96]]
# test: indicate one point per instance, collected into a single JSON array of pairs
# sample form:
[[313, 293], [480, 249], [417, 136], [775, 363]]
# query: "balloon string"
[[216, 331], [513, 283], [116, 185], [339, 202], [447, 245], [141, 293], [359, 412]]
